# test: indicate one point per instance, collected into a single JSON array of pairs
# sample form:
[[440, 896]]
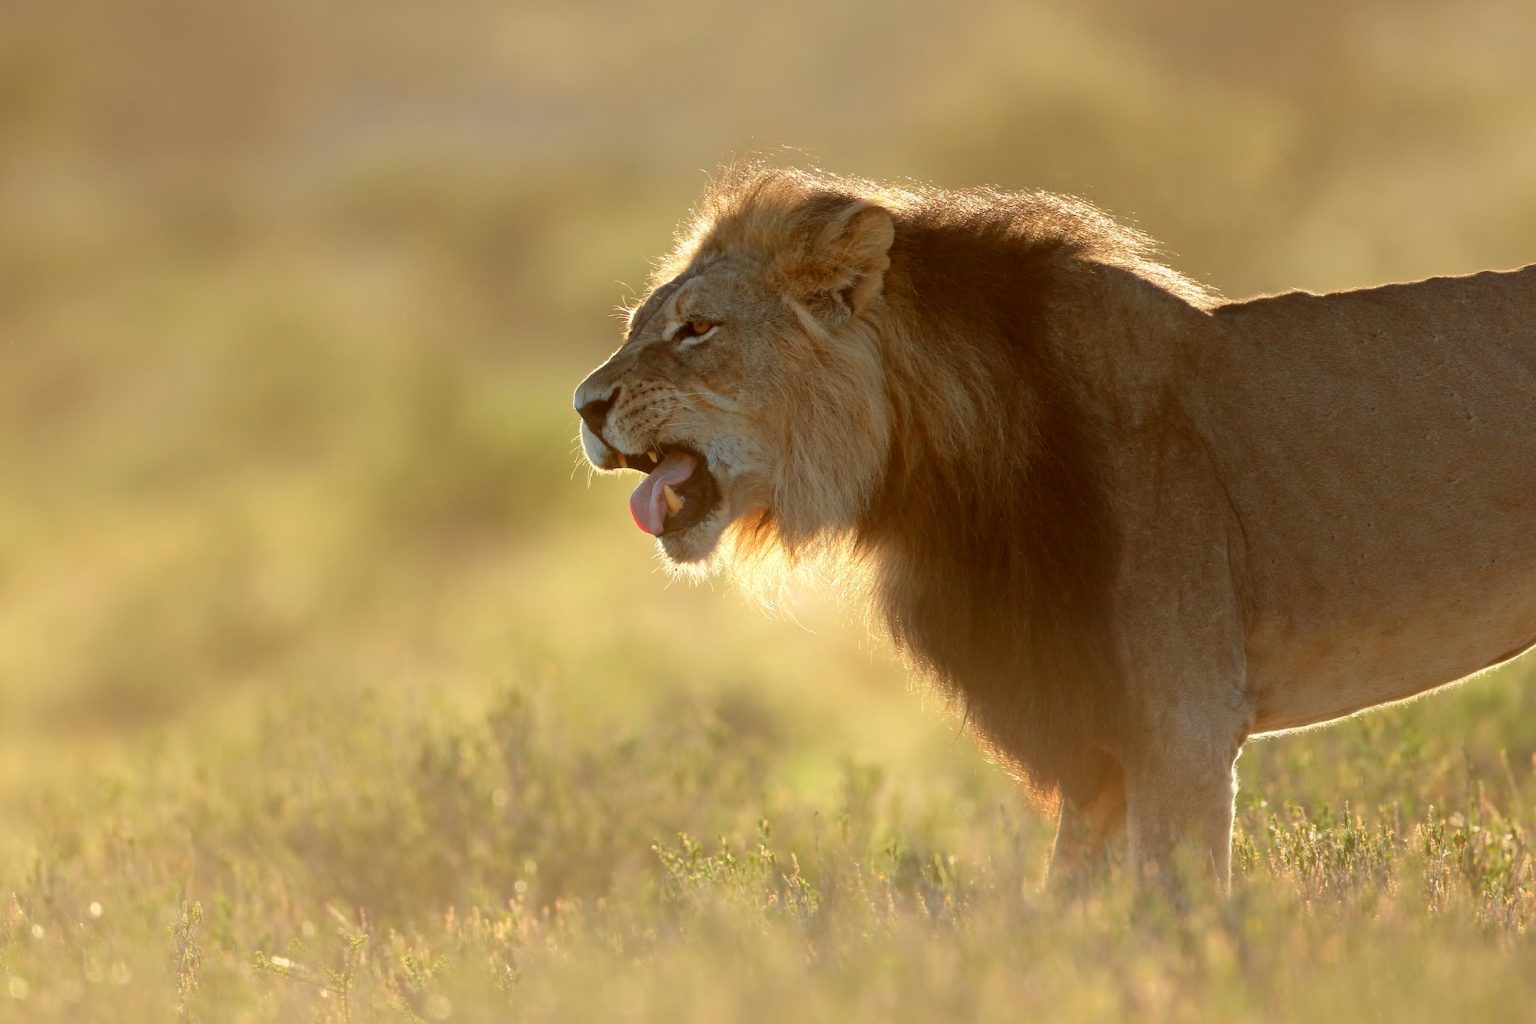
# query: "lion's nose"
[[595, 411]]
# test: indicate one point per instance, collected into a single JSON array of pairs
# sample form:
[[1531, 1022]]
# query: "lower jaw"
[[694, 544]]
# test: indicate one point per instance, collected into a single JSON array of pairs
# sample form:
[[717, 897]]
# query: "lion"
[[1125, 524]]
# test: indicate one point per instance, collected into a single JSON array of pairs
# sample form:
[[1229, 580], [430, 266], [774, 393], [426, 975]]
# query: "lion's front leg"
[[1184, 649], [1179, 806], [1085, 833]]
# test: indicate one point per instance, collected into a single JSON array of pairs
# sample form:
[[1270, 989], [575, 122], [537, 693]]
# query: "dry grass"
[[329, 691]]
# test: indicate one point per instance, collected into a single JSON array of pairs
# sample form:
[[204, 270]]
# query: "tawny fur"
[[1127, 526]]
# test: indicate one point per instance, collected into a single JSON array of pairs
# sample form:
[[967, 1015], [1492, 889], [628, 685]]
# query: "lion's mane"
[[982, 535]]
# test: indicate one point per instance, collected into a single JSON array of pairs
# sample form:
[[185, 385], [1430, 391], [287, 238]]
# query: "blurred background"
[[293, 297]]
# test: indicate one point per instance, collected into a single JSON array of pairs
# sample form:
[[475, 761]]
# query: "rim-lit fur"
[[938, 448]]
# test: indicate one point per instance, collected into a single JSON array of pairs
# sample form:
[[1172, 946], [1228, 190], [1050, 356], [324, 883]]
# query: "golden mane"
[[986, 442]]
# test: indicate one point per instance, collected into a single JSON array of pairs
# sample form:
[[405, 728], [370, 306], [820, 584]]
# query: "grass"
[[329, 691], [347, 856]]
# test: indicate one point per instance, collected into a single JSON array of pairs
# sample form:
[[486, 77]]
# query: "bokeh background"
[[292, 300]]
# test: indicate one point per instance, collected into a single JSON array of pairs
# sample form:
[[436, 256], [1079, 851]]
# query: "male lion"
[[1128, 525]]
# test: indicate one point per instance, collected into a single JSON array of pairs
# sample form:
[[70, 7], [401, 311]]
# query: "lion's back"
[[1379, 447]]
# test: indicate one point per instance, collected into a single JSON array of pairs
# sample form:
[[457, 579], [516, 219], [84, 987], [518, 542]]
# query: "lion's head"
[[749, 386]]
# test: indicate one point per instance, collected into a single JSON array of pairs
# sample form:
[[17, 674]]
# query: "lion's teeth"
[[623, 461], [674, 500], [654, 455]]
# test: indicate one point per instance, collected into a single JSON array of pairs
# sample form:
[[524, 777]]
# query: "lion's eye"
[[690, 330]]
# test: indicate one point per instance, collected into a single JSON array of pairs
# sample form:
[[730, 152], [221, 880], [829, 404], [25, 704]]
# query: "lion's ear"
[[850, 255]]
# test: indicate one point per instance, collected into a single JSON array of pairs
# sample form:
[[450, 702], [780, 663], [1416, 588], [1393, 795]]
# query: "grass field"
[[469, 803], [331, 689]]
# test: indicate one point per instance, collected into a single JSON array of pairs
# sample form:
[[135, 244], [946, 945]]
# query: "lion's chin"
[[693, 545]]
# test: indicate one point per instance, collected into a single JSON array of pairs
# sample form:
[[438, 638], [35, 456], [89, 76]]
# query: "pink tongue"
[[648, 504]]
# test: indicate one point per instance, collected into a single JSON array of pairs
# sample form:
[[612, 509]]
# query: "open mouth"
[[678, 491]]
